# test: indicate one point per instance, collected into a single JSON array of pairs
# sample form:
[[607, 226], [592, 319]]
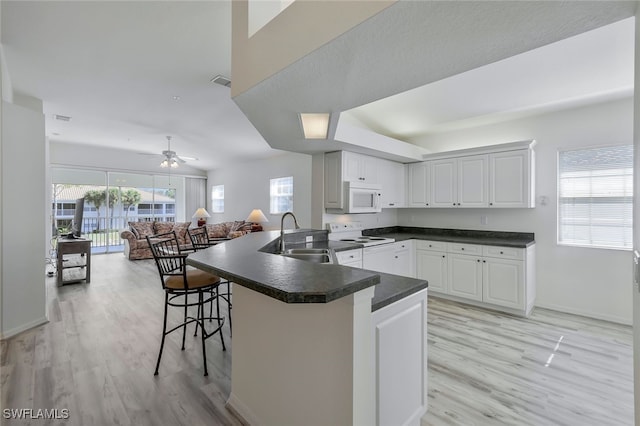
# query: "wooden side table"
[[77, 260]]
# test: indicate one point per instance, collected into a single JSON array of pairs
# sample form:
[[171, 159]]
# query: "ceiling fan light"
[[174, 163], [164, 163]]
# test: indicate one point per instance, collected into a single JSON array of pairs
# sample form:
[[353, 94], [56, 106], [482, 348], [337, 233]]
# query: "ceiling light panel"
[[315, 125]]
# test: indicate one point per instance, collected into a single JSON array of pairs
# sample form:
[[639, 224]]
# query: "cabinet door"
[[378, 258], [443, 183], [510, 179], [391, 176], [503, 282], [351, 167], [403, 260], [419, 190], [333, 187], [399, 347], [369, 169], [473, 177], [432, 266], [465, 276]]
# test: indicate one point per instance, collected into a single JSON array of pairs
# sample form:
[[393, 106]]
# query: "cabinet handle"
[[396, 257], [490, 204], [501, 252], [454, 204], [458, 203], [430, 245], [443, 256], [478, 260], [427, 203], [392, 204], [484, 261], [462, 248]]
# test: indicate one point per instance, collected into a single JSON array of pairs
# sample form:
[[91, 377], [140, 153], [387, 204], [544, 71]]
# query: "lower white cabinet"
[[399, 355], [432, 266], [351, 258], [403, 259], [498, 277], [465, 276], [397, 258]]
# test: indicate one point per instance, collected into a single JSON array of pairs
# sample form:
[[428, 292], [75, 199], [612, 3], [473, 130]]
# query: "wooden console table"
[[78, 258]]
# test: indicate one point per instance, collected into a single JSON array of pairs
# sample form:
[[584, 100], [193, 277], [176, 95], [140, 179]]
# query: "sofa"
[[136, 246]]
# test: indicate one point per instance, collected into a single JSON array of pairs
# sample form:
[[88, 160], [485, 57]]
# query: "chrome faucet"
[[295, 221]]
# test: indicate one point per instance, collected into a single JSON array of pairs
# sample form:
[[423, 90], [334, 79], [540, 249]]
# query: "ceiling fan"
[[171, 158]]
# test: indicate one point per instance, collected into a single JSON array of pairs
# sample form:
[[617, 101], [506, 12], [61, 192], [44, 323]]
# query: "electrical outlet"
[[484, 220], [308, 239]]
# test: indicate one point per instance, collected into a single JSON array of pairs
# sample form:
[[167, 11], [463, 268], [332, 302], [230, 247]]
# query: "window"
[[217, 198], [281, 195], [595, 197]]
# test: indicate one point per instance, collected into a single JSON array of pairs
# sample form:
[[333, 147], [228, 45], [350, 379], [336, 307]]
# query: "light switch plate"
[[308, 239]]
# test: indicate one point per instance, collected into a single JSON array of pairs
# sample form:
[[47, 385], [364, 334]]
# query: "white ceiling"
[[114, 67]]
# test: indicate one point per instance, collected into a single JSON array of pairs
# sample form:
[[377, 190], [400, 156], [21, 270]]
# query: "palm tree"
[[97, 197], [129, 198]]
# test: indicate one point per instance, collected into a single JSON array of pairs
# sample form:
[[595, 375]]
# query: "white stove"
[[351, 232]]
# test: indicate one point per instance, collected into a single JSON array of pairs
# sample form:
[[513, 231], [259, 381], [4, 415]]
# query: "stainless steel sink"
[[310, 254]]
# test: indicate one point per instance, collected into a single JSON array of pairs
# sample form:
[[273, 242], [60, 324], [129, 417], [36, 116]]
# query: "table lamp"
[[256, 217], [202, 216]]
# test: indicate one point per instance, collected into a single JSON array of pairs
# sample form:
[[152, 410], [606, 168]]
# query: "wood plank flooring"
[[97, 354]]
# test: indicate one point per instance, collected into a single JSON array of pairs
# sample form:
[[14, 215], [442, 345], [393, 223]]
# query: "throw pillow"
[[241, 225], [181, 231], [163, 227], [141, 229], [217, 230]]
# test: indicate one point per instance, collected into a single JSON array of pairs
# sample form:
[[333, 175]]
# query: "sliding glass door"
[[112, 199]]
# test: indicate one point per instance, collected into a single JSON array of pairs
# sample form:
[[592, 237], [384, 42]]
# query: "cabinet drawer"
[[464, 248], [431, 245], [349, 256], [503, 252]]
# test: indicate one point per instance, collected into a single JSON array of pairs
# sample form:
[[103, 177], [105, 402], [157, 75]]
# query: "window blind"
[[595, 197]]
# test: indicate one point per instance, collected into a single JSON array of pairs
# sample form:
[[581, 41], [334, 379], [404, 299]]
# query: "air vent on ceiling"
[[62, 117], [223, 81]]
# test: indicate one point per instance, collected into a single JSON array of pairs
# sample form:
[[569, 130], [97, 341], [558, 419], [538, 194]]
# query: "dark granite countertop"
[[250, 261], [488, 238]]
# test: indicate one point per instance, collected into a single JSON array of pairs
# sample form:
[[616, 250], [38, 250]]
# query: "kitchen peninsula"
[[308, 348]]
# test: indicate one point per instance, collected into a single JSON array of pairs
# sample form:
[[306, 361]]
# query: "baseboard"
[[241, 411], [24, 327], [566, 310]]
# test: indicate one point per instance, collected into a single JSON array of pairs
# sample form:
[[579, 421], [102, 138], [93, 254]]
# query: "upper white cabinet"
[[418, 185], [512, 179], [392, 177], [460, 182], [358, 167], [499, 176]]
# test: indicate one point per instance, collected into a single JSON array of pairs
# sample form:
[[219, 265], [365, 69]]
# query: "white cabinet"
[[392, 178], [503, 281], [497, 277], [443, 183], [473, 187], [512, 179], [403, 259], [351, 258], [460, 182], [378, 258], [359, 167], [418, 176], [431, 265], [399, 345], [465, 276]]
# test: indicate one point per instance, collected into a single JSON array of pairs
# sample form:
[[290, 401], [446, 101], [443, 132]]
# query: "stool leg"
[[203, 334], [164, 331], [229, 306], [198, 315], [220, 323], [184, 327]]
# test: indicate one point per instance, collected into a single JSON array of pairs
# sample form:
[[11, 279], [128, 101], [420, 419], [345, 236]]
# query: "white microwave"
[[362, 197]]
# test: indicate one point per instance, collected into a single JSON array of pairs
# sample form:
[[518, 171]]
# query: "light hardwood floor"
[[97, 354]]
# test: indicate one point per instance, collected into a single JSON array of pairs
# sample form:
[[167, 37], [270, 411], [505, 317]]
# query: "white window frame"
[[592, 192], [217, 199], [280, 189]]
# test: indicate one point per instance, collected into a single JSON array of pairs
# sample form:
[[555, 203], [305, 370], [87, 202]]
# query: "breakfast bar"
[[318, 343]]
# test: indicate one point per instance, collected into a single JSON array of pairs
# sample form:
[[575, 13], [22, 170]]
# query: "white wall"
[[23, 229], [587, 281], [246, 187]]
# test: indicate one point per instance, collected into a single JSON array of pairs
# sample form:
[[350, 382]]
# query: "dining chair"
[[180, 282]]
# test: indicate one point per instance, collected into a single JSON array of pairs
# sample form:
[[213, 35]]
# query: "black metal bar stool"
[[200, 240], [179, 283]]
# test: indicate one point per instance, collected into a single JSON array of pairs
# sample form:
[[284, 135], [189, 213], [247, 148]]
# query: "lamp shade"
[[201, 212], [256, 216]]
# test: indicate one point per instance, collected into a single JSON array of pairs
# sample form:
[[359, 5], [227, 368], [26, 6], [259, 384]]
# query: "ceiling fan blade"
[[184, 157]]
